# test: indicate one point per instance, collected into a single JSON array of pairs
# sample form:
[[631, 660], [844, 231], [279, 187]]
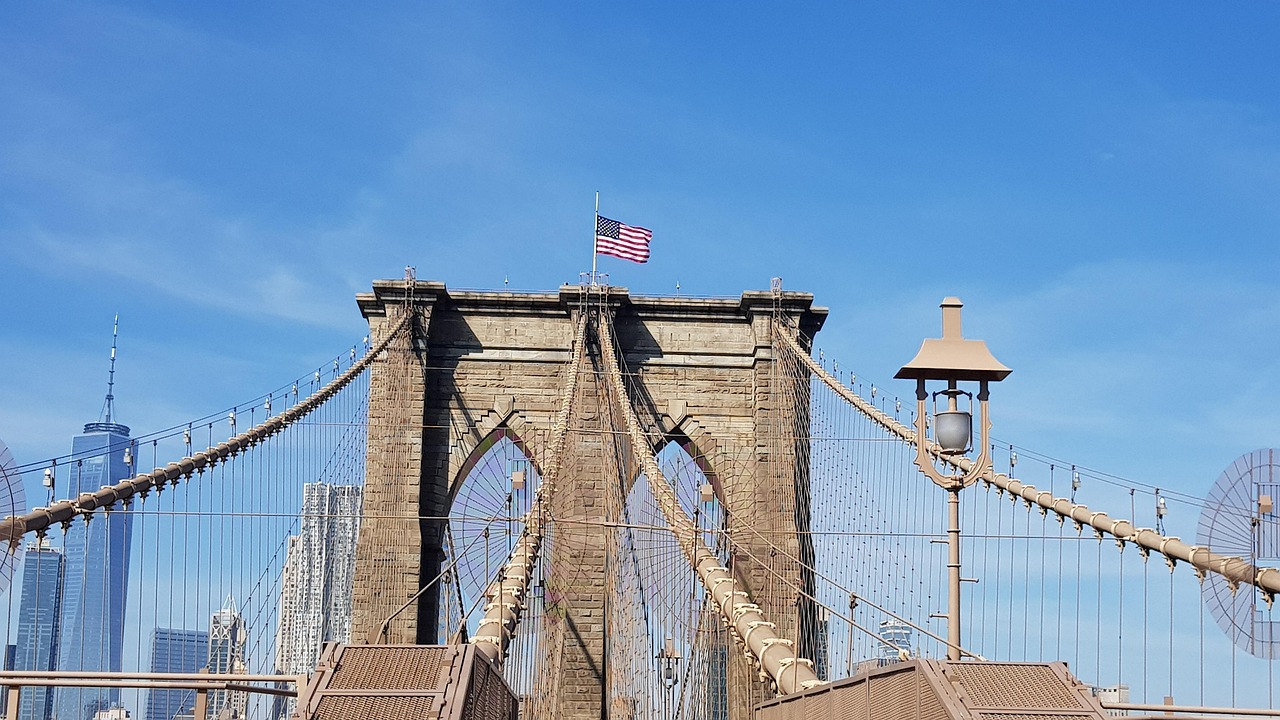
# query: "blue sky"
[[1097, 182]]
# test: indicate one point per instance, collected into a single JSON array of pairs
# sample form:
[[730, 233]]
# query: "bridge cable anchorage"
[[1233, 569], [507, 591], [777, 656], [14, 527]]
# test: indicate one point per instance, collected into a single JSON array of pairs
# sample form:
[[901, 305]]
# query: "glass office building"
[[37, 644], [95, 573], [175, 651]]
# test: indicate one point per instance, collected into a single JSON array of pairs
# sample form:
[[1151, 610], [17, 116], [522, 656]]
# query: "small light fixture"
[[707, 493], [669, 657]]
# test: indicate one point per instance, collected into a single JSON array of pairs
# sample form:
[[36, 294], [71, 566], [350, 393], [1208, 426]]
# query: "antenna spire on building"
[[106, 421], [108, 407]]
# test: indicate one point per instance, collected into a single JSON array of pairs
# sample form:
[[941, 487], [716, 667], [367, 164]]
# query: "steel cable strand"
[[862, 599], [875, 637], [448, 570], [776, 655], [1234, 569], [506, 593], [13, 528]]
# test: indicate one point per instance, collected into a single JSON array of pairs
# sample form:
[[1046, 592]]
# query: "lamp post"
[[669, 658], [954, 360]]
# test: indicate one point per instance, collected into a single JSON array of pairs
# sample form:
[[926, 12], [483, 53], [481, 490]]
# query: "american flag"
[[624, 241]]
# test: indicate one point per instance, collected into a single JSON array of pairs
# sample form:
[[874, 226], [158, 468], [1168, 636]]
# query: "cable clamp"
[[1268, 595], [1044, 509], [810, 684], [1200, 575], [1142, 549], [1232, 583], [751, 627], [1169, 560]]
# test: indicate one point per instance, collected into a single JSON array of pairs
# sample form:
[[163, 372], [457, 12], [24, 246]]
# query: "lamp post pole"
[[953, 573]]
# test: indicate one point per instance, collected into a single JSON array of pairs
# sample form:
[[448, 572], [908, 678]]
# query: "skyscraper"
[[227, 639], [37, 646], [175, 651], [96, 573], [96, 566], [897, 639], [315, 583]]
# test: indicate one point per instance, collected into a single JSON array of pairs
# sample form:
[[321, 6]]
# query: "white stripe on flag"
[[636, 252]]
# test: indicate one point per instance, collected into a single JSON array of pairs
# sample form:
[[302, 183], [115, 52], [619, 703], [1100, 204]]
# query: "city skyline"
[[86, 613]]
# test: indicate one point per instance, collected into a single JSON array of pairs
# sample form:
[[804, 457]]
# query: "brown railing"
[[202, 683]]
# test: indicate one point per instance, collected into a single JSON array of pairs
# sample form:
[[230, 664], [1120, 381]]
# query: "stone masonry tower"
[[484, 362]]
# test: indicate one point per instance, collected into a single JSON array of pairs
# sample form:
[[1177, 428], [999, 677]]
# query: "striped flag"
[[623, 241]]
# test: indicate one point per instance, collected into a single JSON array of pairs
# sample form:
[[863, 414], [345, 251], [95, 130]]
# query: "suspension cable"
[[507, 591], [1234, 569], [14, 527], [776, 656], [861, 598]]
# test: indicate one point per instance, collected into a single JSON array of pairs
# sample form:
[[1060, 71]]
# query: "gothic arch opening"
[[491, 494], [671, 627]]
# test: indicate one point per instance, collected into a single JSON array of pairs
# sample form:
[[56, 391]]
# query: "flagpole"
[[594, 228]]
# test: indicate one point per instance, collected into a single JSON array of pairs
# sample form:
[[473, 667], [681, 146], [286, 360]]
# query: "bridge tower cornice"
[[798, 305]]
